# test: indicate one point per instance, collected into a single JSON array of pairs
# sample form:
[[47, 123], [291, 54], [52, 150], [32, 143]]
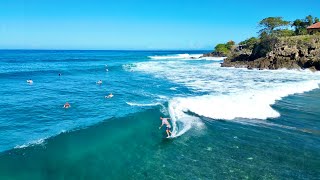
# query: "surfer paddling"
[[66, 105], [166, 122], [109, 96]]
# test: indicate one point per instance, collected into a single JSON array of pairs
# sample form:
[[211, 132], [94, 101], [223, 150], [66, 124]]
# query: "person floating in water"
[[99, 82], [59, 74], [66, 105], [29, 81], [109, 96], [166, 122]]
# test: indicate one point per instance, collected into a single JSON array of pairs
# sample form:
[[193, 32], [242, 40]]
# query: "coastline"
[[298, 52]]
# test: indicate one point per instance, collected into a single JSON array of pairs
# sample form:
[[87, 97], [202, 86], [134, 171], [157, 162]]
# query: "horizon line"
[[105, 49]]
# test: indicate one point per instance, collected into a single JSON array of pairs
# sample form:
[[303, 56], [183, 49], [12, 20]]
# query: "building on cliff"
[[314, 28]]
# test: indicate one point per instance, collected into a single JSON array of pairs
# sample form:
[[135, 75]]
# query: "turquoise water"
[[227, 123]]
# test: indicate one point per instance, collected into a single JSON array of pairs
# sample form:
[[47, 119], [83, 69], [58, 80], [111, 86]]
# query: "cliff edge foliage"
[[277, 46]]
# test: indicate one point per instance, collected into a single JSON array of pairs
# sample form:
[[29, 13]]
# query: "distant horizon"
[[106, 50], [138, 25]]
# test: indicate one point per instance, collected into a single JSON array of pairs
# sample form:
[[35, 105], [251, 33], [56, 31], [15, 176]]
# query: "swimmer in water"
[[109, 96], [29, 81], [66, 105], [166, 122], [99, 82]]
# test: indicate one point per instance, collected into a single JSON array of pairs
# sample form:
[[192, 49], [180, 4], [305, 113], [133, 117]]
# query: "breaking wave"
[[32, 143], [186, 57], [225, 93]]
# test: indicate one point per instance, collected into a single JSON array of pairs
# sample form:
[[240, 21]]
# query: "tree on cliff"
[[301, 25], [309, 20], [271, 23], [221, 49], [230, 44], [249, 43], [224, 49]]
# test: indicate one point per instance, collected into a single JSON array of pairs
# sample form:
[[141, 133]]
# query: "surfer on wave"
[[166, 122]]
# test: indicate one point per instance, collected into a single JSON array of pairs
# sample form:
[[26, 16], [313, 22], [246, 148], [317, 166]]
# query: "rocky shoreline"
[[296, 52]]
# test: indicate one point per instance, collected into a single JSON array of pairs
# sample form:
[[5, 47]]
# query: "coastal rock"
[[214, 54], [297, 52]]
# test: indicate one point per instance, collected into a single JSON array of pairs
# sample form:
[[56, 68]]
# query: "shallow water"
[[228, 123]]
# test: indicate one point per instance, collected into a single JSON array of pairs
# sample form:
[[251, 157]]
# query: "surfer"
[[109, 96], [66, 105], [99, 82], [166, 122], [29, 81]]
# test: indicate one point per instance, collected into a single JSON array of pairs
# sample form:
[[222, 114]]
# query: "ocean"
[[228, 123]]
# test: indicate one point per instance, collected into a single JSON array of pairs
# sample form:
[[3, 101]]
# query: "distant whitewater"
[[186, 57]]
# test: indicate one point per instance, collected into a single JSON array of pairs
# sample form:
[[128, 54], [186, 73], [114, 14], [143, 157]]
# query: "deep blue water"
[[227, 123]]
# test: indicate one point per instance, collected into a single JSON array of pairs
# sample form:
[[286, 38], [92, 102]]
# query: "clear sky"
[[138, 24]]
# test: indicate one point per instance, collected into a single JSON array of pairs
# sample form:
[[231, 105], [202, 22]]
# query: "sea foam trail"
[[186, 57]]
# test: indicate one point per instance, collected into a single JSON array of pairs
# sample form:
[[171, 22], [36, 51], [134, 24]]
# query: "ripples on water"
[[261, 131]]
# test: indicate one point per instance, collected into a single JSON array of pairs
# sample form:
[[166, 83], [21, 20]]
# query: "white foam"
[[226, 93], [247, 104], [142, 105], [162, 109], [181, 122], [186, 57], [32, 143], [176, 56]]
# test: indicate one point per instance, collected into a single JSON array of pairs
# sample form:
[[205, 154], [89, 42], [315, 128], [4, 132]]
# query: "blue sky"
[[138, 24]]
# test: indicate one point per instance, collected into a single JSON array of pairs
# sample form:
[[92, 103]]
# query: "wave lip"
[[32, 143]]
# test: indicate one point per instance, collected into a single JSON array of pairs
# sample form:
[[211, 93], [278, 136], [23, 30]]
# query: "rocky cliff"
[[214, 54], [296, 52]]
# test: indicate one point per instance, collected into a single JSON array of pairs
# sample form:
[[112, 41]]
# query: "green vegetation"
[[249, 43], [224, 49], [300, 25], [270, 24], [272, 29]]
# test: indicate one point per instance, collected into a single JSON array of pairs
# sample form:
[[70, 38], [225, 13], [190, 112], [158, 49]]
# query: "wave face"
[[226, 93]]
